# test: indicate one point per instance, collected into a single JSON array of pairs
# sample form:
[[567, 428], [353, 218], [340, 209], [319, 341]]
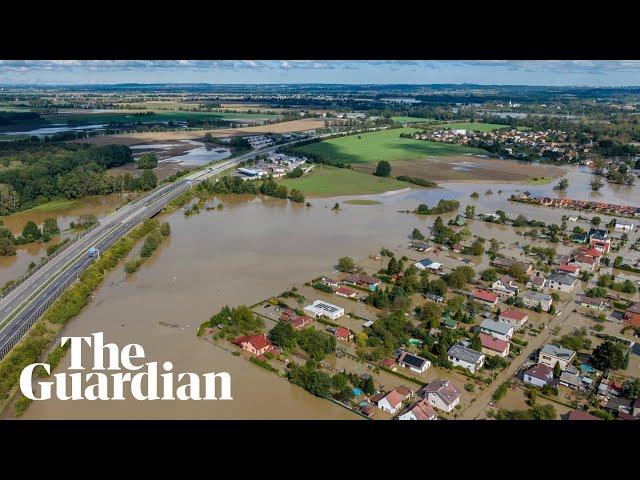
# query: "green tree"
[[557, 370], [31, 232], [283, 335], [147, 161], [345, 264], [417, 234], [489, 275], [608, 356], [383, 169]]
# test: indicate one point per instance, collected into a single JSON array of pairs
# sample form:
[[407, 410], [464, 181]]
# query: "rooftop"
[[497, 326], [517, 315], [465, 354], [493, 343], [557, 352]]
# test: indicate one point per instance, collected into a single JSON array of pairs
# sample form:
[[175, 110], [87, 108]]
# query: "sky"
[[488, 72]]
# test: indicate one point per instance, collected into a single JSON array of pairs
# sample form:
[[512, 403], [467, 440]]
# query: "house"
[[624, 226], [506, 263], [569, 269], [413, 362], [498, 329], [361, 279], [550, 355], [598, 234], [419, 411], [298, 322], [388, 402], [421, 246], [579, 238], [343, 334], [423, 264], [433, 297], [494, 346], [466, 358], [536, 282], [603, 245], [392, 401], [619, 404], [592, 303], [571, 380], [533, 299], [580, 415], [457, 248], [632, 315], [515, 318], [441, 394], [346, 292], [585, 262], [538, 375], [450, 323], [255, 344], [485, 297], [562, 282], [330, 282], [505, 285], [389, 363], [320, 308]]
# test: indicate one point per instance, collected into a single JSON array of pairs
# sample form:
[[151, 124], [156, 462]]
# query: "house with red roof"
[[485, 297], [343, 334], [493, 346], [515, 318], [392, 401], [346, 292], [580, 415], [570, 269], [298, 322], [632, 315], [419, 411], [441, 394], [255, 344], [602, 244], [586, 263]]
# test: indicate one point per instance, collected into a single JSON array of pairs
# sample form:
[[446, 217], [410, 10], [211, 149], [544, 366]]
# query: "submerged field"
[[325, 181], [150, 116], [383, 145]]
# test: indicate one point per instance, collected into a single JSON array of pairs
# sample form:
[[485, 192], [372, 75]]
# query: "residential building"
[[423, 264], [255, 344], [388, 402], [413, 362], [320, 308], [466, 358], [346, 292], [506, 286], [506, 263], [343, 334], [485, 297], [586, 263], [441, 394], [361, 279], [494, 346], [603, 245], [624, 226], [632, 315], [298, 322], [550, 355], [575, 415], [571, 380], [433, 297], [515, 318], [330, 282], [419, 411], [562, 282], [569, 269], [538, 375], [498, 329], [592, 303], [533, 299], [537, 281]]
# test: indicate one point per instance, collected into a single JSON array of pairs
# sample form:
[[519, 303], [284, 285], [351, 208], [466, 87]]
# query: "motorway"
[[20, 308]]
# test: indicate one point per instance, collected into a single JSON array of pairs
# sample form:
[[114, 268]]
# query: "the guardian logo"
[[145, 381]]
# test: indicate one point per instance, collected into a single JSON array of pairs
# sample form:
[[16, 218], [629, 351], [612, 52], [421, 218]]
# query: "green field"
[[156, 116], [325, 181], [383, 145], [52, 206], [410, 119], [478, 127]]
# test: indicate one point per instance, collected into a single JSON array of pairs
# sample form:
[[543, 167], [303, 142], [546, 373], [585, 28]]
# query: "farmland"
[[410, 119], [383, 145], [325, 181], [150, 116]]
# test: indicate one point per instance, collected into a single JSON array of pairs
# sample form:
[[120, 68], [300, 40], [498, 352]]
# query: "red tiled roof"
[[540, 371], [592, 252], [569, 268], [513, 314], [423, 411], [342, 332], [580, 415], [403, 391], [388, 362], [484, 295], [585, 259], [346, 291], [493, 343], [257, 341], [394, 398]]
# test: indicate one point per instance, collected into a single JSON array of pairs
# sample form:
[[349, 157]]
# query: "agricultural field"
[[153, 116], [326, 181], [410, 119], [383, 145]]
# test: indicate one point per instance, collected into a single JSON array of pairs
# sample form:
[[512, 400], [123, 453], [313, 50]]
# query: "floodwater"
[[55, 128], [15, 266], [187, 153], [249, 250]]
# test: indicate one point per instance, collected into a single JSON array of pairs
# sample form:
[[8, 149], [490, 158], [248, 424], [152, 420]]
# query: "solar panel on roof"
[[413, 360]]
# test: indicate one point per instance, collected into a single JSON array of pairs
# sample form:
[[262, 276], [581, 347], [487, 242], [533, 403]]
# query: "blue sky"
[[513, 72]]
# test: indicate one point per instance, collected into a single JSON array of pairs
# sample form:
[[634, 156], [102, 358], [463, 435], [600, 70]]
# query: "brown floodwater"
[[253, 248], [15, 266]]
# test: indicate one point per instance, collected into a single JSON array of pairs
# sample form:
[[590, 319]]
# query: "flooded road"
[[16, 266], [252, 248]]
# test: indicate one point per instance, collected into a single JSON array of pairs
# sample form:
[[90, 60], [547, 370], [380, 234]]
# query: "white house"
[[441, 394], [550, 354], [419, 411], [538, 375], [505, 286], [501, 330], [515, 318], [390, 402], [532, 299], [466, 358], [562, 282], [624, 226], [414, 362], [320, 308]]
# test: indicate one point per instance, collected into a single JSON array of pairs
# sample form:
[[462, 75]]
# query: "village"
[[441, 328], [581, 205]]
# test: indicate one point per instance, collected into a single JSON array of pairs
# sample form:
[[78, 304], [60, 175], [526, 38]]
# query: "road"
[[20, 308]]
